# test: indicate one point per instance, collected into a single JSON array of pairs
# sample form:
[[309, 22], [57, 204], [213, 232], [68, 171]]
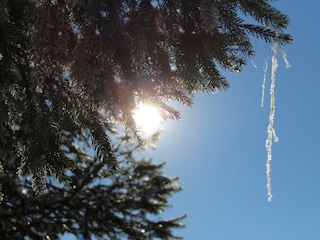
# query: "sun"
[[147, 118]]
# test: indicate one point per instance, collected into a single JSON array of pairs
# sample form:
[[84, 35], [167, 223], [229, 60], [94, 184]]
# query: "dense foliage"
[[70, 67], [95, 204]]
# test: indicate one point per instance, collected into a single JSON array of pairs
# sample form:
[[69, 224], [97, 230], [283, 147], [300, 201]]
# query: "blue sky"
[[218, 147]]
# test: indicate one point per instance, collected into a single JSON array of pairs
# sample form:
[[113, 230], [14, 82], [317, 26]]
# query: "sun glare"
[[147, 118]]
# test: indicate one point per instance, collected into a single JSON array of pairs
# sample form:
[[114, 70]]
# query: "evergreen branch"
[[265, 14], [267, 34]]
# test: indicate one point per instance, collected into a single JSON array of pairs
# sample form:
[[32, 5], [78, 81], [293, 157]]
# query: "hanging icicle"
[[271, 131]]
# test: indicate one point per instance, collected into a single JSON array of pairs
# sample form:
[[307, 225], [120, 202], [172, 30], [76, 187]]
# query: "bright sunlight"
[[147, 118]]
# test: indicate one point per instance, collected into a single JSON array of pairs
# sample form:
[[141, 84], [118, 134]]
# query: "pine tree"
[[94, 204], [70, 67]]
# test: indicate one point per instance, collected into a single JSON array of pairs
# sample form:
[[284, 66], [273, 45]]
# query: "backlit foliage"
[[70, 67]]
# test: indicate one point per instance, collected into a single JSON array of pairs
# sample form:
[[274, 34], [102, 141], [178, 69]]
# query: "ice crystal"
[[265, 69]]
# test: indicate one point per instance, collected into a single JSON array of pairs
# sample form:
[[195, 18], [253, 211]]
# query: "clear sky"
[[218, 147]]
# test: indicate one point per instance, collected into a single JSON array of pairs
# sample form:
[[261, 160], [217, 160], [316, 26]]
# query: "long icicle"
[[271, 131]]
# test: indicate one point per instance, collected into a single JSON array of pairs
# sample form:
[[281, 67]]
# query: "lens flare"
[[147, 118]]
